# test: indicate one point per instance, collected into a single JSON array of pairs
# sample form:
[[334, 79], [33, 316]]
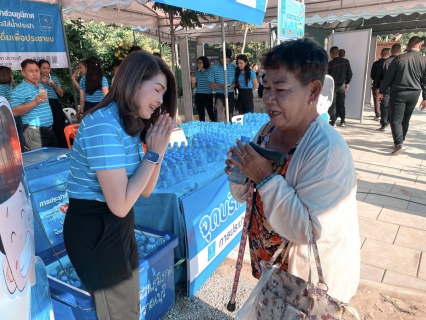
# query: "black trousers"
[[103, 250], [338, 105], [204, 101], [401, 107], [260, 90], [89, 105], [376, 101], [20, 129], [384, 109], [245, 101], [39, 137], [59, 124]]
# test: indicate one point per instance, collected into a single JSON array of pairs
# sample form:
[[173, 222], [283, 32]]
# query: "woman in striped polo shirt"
[[203, 93], [109, 172], [246, 82], [54, 89], [93, 86]]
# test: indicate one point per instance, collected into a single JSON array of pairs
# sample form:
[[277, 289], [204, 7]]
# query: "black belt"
[[37, 128]]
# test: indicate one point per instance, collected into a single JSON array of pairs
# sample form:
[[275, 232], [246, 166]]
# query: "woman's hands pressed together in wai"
[[252, 164], [158, 135]]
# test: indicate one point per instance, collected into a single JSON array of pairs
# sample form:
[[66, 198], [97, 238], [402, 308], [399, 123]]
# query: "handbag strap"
[[312, 245]]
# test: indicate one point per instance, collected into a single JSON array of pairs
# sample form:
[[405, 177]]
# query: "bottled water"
[[150, 247], [192, 164], [236, 175], [162, 240]]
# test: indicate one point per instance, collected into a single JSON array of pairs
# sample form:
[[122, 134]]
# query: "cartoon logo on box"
[[17, 271]]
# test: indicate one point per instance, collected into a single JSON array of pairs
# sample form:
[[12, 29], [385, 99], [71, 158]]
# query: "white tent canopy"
[[319, 14]]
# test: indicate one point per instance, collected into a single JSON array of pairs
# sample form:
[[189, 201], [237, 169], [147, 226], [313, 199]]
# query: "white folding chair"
[[71, 115], [238, 119]]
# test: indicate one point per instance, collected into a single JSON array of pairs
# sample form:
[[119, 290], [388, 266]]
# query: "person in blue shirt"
[[109, 172], [54, 91], [6, 79], [93, 86], [246, 82], [217, 82], [203, 93], [29, 101], [80, 71]]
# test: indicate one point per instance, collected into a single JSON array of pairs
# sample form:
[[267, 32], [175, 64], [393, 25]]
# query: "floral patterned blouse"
[[263, 239]]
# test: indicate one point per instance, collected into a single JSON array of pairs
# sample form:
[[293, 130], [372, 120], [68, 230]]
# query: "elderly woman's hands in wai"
[[252, 164]]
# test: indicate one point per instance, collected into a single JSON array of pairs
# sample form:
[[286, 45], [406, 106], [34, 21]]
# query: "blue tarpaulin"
[[249, 11]]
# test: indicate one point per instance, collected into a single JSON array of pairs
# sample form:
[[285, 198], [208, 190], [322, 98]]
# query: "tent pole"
[[224, 70], [74, 93]]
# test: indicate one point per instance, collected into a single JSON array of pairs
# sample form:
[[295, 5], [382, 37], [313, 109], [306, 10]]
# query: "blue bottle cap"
[[167, 237], [151, 240], [64, 278], [53, 273], [77, 284]]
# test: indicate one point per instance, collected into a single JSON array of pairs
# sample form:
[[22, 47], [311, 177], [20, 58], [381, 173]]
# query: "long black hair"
[[247, 74], [138, 67], [93, 75]]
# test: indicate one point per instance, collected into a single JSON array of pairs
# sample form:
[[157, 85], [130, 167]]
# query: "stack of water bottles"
[[149, 243], [65, 272], [208, 142]]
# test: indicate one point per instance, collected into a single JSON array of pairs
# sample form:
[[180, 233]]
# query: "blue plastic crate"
[[47, 171]]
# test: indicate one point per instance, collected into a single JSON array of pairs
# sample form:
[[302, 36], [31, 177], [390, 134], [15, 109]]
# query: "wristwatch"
[[153, 157]]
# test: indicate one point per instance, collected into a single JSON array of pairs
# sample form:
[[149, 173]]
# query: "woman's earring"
[[310, 102]]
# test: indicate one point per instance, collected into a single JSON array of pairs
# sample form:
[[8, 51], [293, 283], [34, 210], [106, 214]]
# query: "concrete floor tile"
[[411, 238], [404, 160], [375, 185], [390, 256], [417, 204], [384, 167], [397, 177], [371, 273], [402, 280], [422, 268], [410, 191], [366, 174], [378, 230], [404, 217], [388, 199], [368, 210]]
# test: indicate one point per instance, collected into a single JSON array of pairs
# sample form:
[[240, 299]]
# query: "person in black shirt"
[[384, 102], [342, 53], [340, 70], [406, 78], [377, 65]]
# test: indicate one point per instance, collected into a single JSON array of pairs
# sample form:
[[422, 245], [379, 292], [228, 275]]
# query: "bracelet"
[[261, 183]]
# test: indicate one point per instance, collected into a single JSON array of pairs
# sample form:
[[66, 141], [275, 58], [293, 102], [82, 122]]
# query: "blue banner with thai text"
[[214, 221], [31, 30], [249, 11], [291, 19]]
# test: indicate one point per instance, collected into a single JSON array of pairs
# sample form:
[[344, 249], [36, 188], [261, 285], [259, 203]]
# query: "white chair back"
[[238, 119], [71, 115]]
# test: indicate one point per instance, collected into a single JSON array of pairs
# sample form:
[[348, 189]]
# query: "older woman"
[[317, 182]]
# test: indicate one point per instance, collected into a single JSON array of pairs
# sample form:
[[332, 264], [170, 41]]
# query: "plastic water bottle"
[[54, 273], [150, 247], [236, 175], [162, 240]]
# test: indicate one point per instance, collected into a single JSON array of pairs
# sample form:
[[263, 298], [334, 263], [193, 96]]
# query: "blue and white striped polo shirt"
[[41, 115], [51, 93], [98, 95], [242, 80], [216, 75], [101, 144], [203, 83], [5, 91]]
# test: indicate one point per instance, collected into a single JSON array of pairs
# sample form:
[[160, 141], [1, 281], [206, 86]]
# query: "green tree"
[[246, 27], [189, 19]]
